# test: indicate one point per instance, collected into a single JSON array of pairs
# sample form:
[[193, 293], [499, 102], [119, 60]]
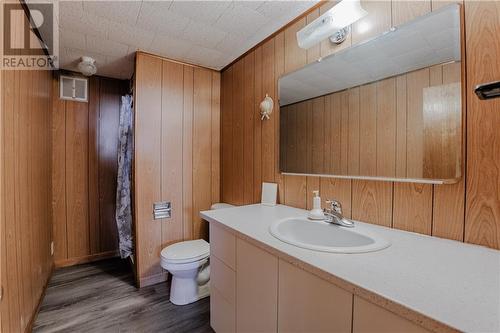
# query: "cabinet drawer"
[[223, 245], [222, 314], [257, 289], [223, 279]]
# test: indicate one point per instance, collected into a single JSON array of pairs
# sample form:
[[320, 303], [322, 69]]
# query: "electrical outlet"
[[52, 248]]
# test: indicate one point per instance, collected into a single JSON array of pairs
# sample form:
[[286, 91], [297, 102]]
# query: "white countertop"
[[454, 283]]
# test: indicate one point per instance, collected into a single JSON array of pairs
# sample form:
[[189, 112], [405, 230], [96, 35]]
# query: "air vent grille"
[[73, 88]]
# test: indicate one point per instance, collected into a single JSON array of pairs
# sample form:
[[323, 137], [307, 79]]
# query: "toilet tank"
[[220, 206]]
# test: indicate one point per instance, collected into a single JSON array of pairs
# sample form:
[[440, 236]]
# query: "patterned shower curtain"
[[123, 214]]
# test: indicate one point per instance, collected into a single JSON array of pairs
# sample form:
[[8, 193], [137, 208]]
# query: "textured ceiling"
[[207, 33]]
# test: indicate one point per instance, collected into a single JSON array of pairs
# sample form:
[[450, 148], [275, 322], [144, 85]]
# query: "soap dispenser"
[[316, 213]]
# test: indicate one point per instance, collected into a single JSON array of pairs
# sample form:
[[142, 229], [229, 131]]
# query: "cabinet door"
[[308, 303], [222, 317], [256, 289], [371, 318], [222, 280], [222, 245]]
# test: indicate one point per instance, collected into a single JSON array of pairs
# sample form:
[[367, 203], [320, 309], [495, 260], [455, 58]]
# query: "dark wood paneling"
[[84, 172], [109, 119]]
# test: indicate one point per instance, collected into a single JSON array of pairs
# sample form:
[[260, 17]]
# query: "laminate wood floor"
[[101, 297]]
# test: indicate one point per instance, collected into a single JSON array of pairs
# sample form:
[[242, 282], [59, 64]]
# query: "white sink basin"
[[326, 237]]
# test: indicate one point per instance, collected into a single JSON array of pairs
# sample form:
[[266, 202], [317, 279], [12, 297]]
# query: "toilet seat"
[[185, 252]]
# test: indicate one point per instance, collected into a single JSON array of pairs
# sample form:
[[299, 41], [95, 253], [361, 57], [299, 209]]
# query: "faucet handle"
[[335, 205]]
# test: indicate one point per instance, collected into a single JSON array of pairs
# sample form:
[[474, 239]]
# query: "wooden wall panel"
[[295, 57], [413, 207], [202, 160], [172, 101], [386, 128], [268, 127], [237, 171], [248, 130], [93, 138], [77, 196], [436, 210], [401, 126], [25, 219], [257, 144], [148, 94], [372, 202], [215, 136], [482, 222], [279, 69], [227, 134], [110, 92], [84, 172], [187, 153], [353, 133], [368, 129], [178, 156]]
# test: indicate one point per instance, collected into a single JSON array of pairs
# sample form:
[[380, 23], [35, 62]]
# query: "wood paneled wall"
[[250, 147], [176, 155], [482, 222], [25, 228], [85, 163]]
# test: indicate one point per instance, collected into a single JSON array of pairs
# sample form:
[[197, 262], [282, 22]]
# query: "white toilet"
[[188, 263]]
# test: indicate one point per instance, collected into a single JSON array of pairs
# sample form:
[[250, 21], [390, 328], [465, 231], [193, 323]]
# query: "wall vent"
[[73, 88]]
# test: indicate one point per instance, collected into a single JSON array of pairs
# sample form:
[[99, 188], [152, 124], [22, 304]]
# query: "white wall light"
[[334, 23]]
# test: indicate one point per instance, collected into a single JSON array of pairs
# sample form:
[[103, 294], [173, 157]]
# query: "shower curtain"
[[123, 214]]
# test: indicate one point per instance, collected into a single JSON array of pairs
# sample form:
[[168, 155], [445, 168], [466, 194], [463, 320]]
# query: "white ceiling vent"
[[73, 88]]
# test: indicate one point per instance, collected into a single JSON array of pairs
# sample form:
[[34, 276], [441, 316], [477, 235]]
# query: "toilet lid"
[[190, 251]]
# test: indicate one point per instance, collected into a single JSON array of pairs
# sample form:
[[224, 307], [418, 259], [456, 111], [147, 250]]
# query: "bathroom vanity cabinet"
[[253, 290]]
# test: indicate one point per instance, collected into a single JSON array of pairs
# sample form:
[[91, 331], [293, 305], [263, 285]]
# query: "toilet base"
[[186, 290]]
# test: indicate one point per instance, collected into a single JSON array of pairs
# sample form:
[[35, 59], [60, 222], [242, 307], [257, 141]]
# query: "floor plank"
[[101, 297]]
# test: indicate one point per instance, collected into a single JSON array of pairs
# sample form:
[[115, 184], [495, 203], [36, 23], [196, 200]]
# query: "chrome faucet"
[[334, 214]]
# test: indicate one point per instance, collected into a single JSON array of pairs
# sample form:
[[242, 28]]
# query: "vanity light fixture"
[[334, 24]]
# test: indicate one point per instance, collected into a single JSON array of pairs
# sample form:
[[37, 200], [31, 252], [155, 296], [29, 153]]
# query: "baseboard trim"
[[29, 328], [86, 259], [153, 279]]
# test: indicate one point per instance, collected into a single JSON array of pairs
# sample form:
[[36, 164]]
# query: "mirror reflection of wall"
[[401, 126], [407, 126]]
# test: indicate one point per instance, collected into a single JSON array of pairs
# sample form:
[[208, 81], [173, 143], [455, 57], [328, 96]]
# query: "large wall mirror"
[[387, 108]]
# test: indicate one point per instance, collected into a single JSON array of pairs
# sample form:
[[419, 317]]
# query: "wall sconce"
[[334, 24], [266, 107]]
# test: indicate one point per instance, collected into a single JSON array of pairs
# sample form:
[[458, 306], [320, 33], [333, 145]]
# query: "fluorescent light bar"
[[340, 16]]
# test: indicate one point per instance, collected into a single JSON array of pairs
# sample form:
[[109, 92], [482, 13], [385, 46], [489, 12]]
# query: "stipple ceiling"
[[207, 33]]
